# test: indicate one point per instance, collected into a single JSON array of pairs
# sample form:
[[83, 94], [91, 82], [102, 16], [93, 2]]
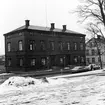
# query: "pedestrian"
[[91, 67]]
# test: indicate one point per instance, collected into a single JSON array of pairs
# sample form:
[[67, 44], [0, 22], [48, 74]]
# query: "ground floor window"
[[20, 62], [33, 62], [82, 59], [9, 61], [61, 60], [88, 60], [93, 60], [75, 59], [43, 61]]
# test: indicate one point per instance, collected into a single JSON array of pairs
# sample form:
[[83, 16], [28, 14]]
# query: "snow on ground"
[[88, 90]]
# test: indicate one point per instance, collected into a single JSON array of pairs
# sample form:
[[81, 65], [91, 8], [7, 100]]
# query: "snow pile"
[[26, 81], [22, 81], [58, 81]]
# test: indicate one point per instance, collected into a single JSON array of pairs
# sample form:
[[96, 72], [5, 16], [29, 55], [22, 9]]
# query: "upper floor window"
[[60, 45], [87, 52], [52, 45], [33, 62], [32, 45], [93, 52], [9, 47], [20, 45], [68, 46], [42, 42], [81, 46], [75, 46]]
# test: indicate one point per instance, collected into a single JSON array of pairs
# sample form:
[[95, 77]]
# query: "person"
[[91, 67]]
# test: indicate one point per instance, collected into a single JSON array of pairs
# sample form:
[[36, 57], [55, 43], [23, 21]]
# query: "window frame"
[[32, 45], [42, 45], [52, 45], [9, 62], [68, 46], [9, 46], [20, 45], [20, 62], [75, 46], [33, 62], [60, 45], [81, 46]]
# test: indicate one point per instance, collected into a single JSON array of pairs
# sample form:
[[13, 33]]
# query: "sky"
[[13, 14]]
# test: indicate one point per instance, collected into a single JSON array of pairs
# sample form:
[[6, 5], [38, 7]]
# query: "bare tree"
[[92, 12]]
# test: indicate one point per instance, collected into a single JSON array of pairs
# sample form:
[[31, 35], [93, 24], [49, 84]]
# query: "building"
[[33, 47], [92, 53], [2, 59]]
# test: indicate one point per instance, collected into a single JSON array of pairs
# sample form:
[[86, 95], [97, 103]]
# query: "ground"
[[85, 90]]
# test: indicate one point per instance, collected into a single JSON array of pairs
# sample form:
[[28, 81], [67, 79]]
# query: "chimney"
[[27, 23], [64, 28], [52, 26]]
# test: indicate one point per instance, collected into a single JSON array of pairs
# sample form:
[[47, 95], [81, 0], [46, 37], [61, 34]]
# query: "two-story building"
[[32, 47], [93, 47]]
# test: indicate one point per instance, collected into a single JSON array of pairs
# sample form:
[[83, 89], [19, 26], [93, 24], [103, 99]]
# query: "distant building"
[[2, 59], [92, 55], [33, 47]]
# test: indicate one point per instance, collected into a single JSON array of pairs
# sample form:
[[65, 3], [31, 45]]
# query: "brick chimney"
[[27, 23], [64, 28], [52, 26]]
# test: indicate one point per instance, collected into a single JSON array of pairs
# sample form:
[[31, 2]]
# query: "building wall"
[[95, 56], [52, 56]]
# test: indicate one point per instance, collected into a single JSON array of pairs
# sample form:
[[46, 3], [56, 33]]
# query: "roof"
[[92, 41], [41, 28]]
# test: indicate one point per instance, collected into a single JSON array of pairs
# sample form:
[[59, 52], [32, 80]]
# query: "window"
[[87, 52], [9, 61], [20, 46], [88, 60], [93, 52], [61, 60], [9, 46], [32, 45], [68, 46], [33, 62], [60, 45], [75, 46], [20, 62], [82, 59], [93, 60], [43, 61], [75, 59], [52, 45], [81, 46], [42, 45]]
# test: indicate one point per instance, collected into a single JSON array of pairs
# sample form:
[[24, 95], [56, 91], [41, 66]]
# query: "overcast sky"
[[39, 12]]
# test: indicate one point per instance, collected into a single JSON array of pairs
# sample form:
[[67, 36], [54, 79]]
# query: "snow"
[[88, 90]]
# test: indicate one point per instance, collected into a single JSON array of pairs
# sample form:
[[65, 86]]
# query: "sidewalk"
[[54, 74]]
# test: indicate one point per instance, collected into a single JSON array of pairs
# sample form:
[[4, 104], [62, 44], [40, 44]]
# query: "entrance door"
[[68, 60], [52, 60]]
